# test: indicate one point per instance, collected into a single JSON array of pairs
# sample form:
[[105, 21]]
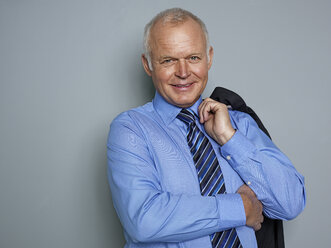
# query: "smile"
[[182, 85]]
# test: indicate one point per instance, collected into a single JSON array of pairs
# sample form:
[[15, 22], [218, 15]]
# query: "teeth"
[[182, 85]]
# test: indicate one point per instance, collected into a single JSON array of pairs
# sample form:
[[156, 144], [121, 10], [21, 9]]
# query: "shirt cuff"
[[242, 156], [231, 211], [238, 149]]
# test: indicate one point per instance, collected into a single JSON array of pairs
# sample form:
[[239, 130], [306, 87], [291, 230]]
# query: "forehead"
[[184, 36]]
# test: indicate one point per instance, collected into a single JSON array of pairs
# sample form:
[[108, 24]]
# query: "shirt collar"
[[169, 112]]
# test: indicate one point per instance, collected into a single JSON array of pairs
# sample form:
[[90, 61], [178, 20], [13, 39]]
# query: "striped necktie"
[[209, 173]]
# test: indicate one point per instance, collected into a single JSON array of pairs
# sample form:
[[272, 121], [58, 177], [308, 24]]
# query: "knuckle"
[[210, 99]]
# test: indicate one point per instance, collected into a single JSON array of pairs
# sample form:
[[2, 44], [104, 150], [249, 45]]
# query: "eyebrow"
[[166, 57], [171, 57]]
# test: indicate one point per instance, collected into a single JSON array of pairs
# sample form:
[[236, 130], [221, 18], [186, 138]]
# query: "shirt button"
[[228, 157], [248, 183]]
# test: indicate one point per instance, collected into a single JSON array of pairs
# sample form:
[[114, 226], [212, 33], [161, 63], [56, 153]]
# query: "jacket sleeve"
[[150, 214], [265, 169]]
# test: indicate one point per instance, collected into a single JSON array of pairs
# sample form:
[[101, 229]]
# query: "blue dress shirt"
[[156, 191]]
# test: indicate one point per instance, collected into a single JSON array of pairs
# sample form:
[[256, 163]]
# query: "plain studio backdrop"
[[68, 67]]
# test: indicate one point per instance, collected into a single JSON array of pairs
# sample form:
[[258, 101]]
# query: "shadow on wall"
[[102, 217], [143, 85], [140, 85]]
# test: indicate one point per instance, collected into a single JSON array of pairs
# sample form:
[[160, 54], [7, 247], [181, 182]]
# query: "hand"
[[215, 117], [253, 207]]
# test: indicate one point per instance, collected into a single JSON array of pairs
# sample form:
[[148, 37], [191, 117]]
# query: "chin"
[[184, 104]]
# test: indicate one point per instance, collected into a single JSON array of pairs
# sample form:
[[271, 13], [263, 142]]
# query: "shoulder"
[[129, 117], [130, 123]]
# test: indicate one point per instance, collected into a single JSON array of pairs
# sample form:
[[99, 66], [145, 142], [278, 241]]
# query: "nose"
[[182, 70]]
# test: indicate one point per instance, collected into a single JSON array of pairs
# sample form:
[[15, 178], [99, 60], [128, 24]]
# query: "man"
[[187, 172]]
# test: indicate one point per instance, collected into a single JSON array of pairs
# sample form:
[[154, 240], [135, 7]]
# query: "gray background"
[[68, 67]]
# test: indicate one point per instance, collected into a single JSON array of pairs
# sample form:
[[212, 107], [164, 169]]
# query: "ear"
[[211, 54], [145, 65]]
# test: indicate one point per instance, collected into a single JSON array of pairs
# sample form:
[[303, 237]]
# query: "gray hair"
[[175, 16]]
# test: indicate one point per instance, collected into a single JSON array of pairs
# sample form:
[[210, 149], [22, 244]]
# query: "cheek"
[[163, 76], [201, 71]]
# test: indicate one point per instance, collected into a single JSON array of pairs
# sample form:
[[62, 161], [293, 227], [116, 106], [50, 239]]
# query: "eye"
[[194, 58], [167, 61]]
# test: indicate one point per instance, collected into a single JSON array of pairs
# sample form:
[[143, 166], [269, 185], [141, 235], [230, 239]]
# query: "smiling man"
[[187, 172], [180, 61]]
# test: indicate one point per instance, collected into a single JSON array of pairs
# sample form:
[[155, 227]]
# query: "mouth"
[[182, 86]]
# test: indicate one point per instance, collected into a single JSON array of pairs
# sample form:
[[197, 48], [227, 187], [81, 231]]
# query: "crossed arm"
[[216, 120], [143, 205]]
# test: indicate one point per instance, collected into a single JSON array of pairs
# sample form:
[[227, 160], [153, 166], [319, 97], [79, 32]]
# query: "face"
[[180, 64]]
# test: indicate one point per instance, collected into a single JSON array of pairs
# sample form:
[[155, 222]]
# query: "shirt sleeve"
[[149, 214], [265, 169]]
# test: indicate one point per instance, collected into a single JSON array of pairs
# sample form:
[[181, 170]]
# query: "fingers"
[[258, 225], [258, 222], [253, 207], [244, 189], [259, 218], [215, 117], [207, 107], [204, 110]]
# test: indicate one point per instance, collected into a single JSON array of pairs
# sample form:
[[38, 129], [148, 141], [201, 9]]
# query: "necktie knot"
[[186, 116]]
